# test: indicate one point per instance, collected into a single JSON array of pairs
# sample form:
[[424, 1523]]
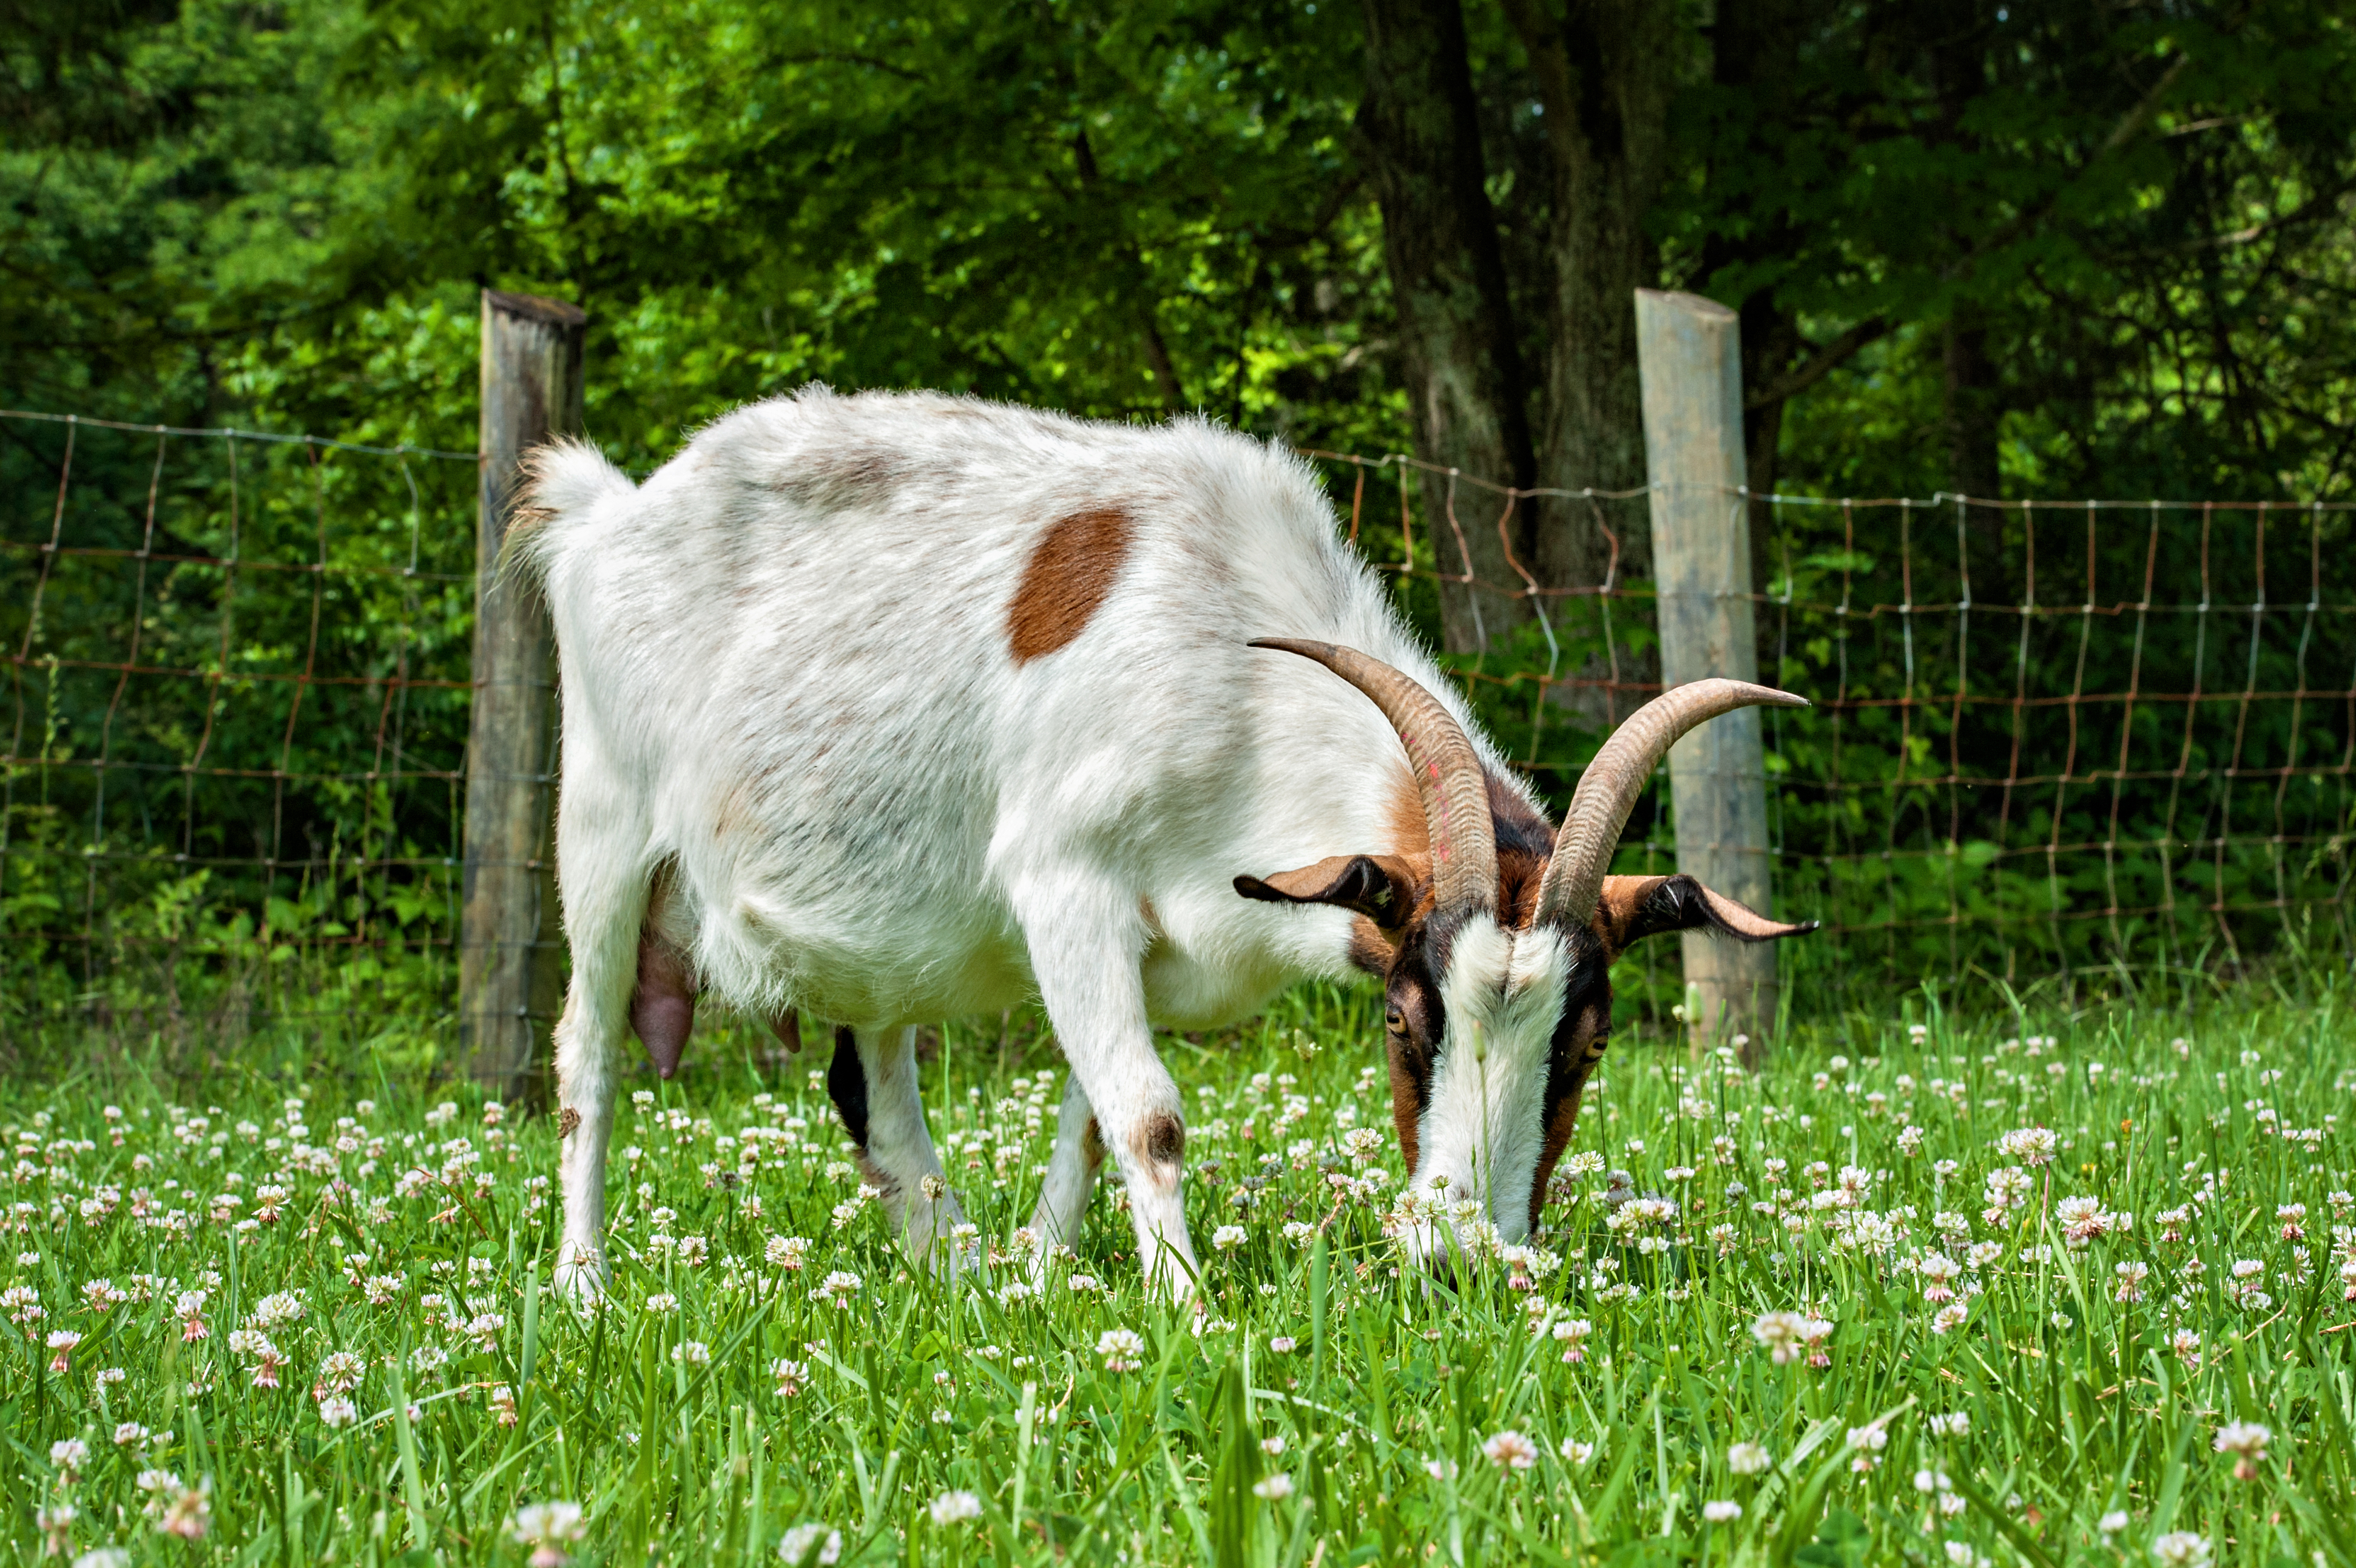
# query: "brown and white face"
[[1494, 939]]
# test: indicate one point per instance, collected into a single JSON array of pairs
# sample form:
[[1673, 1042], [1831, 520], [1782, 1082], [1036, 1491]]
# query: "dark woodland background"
[[2021, 253]]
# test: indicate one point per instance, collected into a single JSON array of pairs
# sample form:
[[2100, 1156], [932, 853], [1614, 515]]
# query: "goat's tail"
[[563, 479]]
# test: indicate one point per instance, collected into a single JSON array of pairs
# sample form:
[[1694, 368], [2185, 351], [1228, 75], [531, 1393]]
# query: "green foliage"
[[244, 712], [278, 216], [2142, 211], [724, 1398]]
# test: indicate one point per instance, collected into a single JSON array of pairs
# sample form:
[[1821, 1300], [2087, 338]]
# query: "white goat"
[[901, 707]]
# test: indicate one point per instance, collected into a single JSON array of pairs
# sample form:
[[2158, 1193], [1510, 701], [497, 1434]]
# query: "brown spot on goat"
[[1070, 572], [566, 1120], [1159, 1140]]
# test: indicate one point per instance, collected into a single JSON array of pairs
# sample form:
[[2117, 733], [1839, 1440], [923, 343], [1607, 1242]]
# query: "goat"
[[906, 707]]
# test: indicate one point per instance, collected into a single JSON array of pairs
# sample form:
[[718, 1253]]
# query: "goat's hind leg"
[[875, 1089], [604, 883], [1072, 1170]]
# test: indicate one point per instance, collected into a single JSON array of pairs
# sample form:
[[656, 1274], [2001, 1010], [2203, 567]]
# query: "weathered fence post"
[[1690, 364], [510, 953]]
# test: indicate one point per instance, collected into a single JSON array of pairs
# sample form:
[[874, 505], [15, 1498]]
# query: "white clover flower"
[[2247, 1441], [189, 1514], [1721, 1510], [1228, 1238], [2029, 1146], [954, 1508], [2244, 1437], [692, 1353], [1123, 1349], [1274, 1487], [546, 1528], [337, 1412], [1574, 1452], [1781, 1334], [2111, 1522], [278, 1310], [812, 1543], [1748, 1459], [1510, 1450], [2181, 1549]]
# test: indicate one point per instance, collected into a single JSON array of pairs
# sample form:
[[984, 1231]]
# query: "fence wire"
[[2049, 740], [237, 719]]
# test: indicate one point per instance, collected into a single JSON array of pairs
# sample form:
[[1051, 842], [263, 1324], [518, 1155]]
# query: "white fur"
[[786, 669], [1482, 1128]]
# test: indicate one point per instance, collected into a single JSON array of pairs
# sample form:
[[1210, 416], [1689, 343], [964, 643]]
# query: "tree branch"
[[1820, 364], [843, 57]]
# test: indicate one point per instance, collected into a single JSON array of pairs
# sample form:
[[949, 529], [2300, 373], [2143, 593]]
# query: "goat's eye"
[[1396, 1020]]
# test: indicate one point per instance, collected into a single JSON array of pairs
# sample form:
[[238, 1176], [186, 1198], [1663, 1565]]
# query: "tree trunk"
[[1755, 55], [1465, 388], [1604, 77], [1957, 36], [1975, 403]]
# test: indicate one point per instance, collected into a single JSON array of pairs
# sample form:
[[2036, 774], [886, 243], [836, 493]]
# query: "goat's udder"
[[662, 1009]]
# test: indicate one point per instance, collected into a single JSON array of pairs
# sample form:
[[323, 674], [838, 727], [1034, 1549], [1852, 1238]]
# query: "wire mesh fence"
[[2067, 741], [2070, 742], [236, 727]]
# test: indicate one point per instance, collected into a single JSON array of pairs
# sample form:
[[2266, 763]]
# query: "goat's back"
[[861, 665]]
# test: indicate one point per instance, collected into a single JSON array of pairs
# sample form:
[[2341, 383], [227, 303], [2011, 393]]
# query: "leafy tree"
[[2004, 251]]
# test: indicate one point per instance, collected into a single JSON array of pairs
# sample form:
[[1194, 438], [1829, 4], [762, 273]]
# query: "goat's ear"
[[1635, 908], [1379, 887]]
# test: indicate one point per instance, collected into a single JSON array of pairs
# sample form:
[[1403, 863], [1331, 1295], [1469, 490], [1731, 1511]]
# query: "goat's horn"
[[1608, 789], [1448, 774]]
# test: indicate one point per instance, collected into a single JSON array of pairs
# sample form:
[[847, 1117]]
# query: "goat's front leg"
[[875, 1086], [1086, 944]]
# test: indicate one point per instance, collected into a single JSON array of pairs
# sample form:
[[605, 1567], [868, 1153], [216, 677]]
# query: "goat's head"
[[1495, 942]]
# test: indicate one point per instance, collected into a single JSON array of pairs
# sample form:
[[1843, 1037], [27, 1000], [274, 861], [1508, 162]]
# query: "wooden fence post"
[[510, 956], [1690, 363]]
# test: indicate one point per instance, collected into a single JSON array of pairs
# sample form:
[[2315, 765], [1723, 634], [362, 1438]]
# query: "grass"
[[1583, 1401]]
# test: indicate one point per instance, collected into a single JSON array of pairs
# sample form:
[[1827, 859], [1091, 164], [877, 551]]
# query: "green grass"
[[668, 1428]]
